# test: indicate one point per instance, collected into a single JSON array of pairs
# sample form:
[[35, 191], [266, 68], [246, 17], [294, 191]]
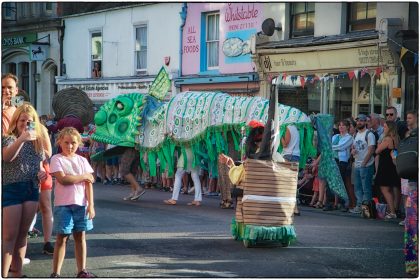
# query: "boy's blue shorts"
[[71, 218]]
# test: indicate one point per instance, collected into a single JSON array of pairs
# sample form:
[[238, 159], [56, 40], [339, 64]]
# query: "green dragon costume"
[[199, 120], [195, 119]]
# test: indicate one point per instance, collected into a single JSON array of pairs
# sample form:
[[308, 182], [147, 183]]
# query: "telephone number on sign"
[[96, 94]]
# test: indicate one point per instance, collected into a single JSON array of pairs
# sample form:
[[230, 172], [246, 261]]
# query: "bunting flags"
[[403, 52], [351, 75], [302, 80], [363, 72], [356, 73]]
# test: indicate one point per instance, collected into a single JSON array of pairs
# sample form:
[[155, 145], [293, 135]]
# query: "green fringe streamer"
[[141, 161], [167, 155], [162, 160], [151, 156], [283, 234], [213, 142], [235, 140], [219, 142]]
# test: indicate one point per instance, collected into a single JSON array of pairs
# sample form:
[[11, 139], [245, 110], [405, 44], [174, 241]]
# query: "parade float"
[[204, 121]]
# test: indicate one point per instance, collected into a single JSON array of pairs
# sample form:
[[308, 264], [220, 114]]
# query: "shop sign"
[[38, 52], [396, 92], [326, 60], [18, 40], [107, 91], [237, 23]]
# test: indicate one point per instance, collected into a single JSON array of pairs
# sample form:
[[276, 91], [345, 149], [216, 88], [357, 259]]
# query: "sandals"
[[319, 205], [195, 203], [226, 205], [170, 202]]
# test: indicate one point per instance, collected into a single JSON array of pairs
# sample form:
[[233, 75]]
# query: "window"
[[212, 40], [141, 48], [25, 10], [48, 7], [96, 54], [11, 68], [302, 18], [9, 11], [362, 16], [24, 76]]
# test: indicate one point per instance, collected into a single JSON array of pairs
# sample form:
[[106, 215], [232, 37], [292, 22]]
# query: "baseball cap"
[[361, 117]]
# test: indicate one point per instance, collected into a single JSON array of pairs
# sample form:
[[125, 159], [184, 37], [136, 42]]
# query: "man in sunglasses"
[[391, 115]]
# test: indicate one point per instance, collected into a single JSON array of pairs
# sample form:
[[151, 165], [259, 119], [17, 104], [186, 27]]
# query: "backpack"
[[407, 158], [369, 209], [366, 138]]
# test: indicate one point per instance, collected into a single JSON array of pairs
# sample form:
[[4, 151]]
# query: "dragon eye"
[[123, 106], [120, 105]]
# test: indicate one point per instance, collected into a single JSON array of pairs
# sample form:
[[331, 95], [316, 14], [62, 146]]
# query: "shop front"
[[339, 79], [104, 90]]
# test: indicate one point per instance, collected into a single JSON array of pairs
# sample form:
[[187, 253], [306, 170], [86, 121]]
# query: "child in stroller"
[[306, 180]]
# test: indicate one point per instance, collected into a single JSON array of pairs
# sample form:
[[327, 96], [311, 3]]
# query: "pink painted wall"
[[238, 21]]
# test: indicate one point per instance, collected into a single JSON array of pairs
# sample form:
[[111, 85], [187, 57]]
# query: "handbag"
[[407, 158], [236, 174], [47, 183]]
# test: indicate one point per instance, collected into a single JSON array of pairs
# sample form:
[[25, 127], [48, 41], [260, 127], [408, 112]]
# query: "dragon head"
[[117, 122]]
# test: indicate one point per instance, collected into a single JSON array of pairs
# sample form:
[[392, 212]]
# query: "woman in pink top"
[[73, 204]]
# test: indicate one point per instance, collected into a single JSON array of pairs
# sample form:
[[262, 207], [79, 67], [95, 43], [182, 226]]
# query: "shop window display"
[[336, 94]]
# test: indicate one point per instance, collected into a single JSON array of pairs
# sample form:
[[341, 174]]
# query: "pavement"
[[148, 239]]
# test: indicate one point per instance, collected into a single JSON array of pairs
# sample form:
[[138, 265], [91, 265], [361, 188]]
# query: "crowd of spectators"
[[365, 150]]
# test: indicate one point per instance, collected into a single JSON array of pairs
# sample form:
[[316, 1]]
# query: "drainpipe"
[[183, 15], [62, 27]]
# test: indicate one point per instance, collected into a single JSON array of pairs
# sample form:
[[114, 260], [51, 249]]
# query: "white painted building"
[[128, 46]]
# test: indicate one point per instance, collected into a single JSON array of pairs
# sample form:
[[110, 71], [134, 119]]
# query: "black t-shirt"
[[402, 128]]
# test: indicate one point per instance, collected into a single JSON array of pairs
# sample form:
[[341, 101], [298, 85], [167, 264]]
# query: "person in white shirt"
[[341, 144], [291, 149], [363, 150], [291, 142]]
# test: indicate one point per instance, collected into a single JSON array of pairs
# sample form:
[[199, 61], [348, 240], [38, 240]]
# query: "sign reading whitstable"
[[327, 59]]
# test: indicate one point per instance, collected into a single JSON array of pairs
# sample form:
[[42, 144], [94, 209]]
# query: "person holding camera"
[[22, 155]]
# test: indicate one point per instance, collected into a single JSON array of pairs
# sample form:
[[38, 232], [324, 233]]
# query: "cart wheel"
[[285, 244], [248, 243]]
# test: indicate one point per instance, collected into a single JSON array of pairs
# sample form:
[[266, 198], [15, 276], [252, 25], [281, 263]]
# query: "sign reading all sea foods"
[[107, 91], [327, 59]]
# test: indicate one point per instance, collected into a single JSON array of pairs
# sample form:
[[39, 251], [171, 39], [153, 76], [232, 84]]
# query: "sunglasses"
[[390, 114]]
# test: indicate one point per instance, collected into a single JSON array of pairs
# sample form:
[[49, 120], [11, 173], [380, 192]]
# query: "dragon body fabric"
[[199, 120]]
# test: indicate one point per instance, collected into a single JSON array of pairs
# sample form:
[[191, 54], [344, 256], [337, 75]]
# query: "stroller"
[[305, 183]]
